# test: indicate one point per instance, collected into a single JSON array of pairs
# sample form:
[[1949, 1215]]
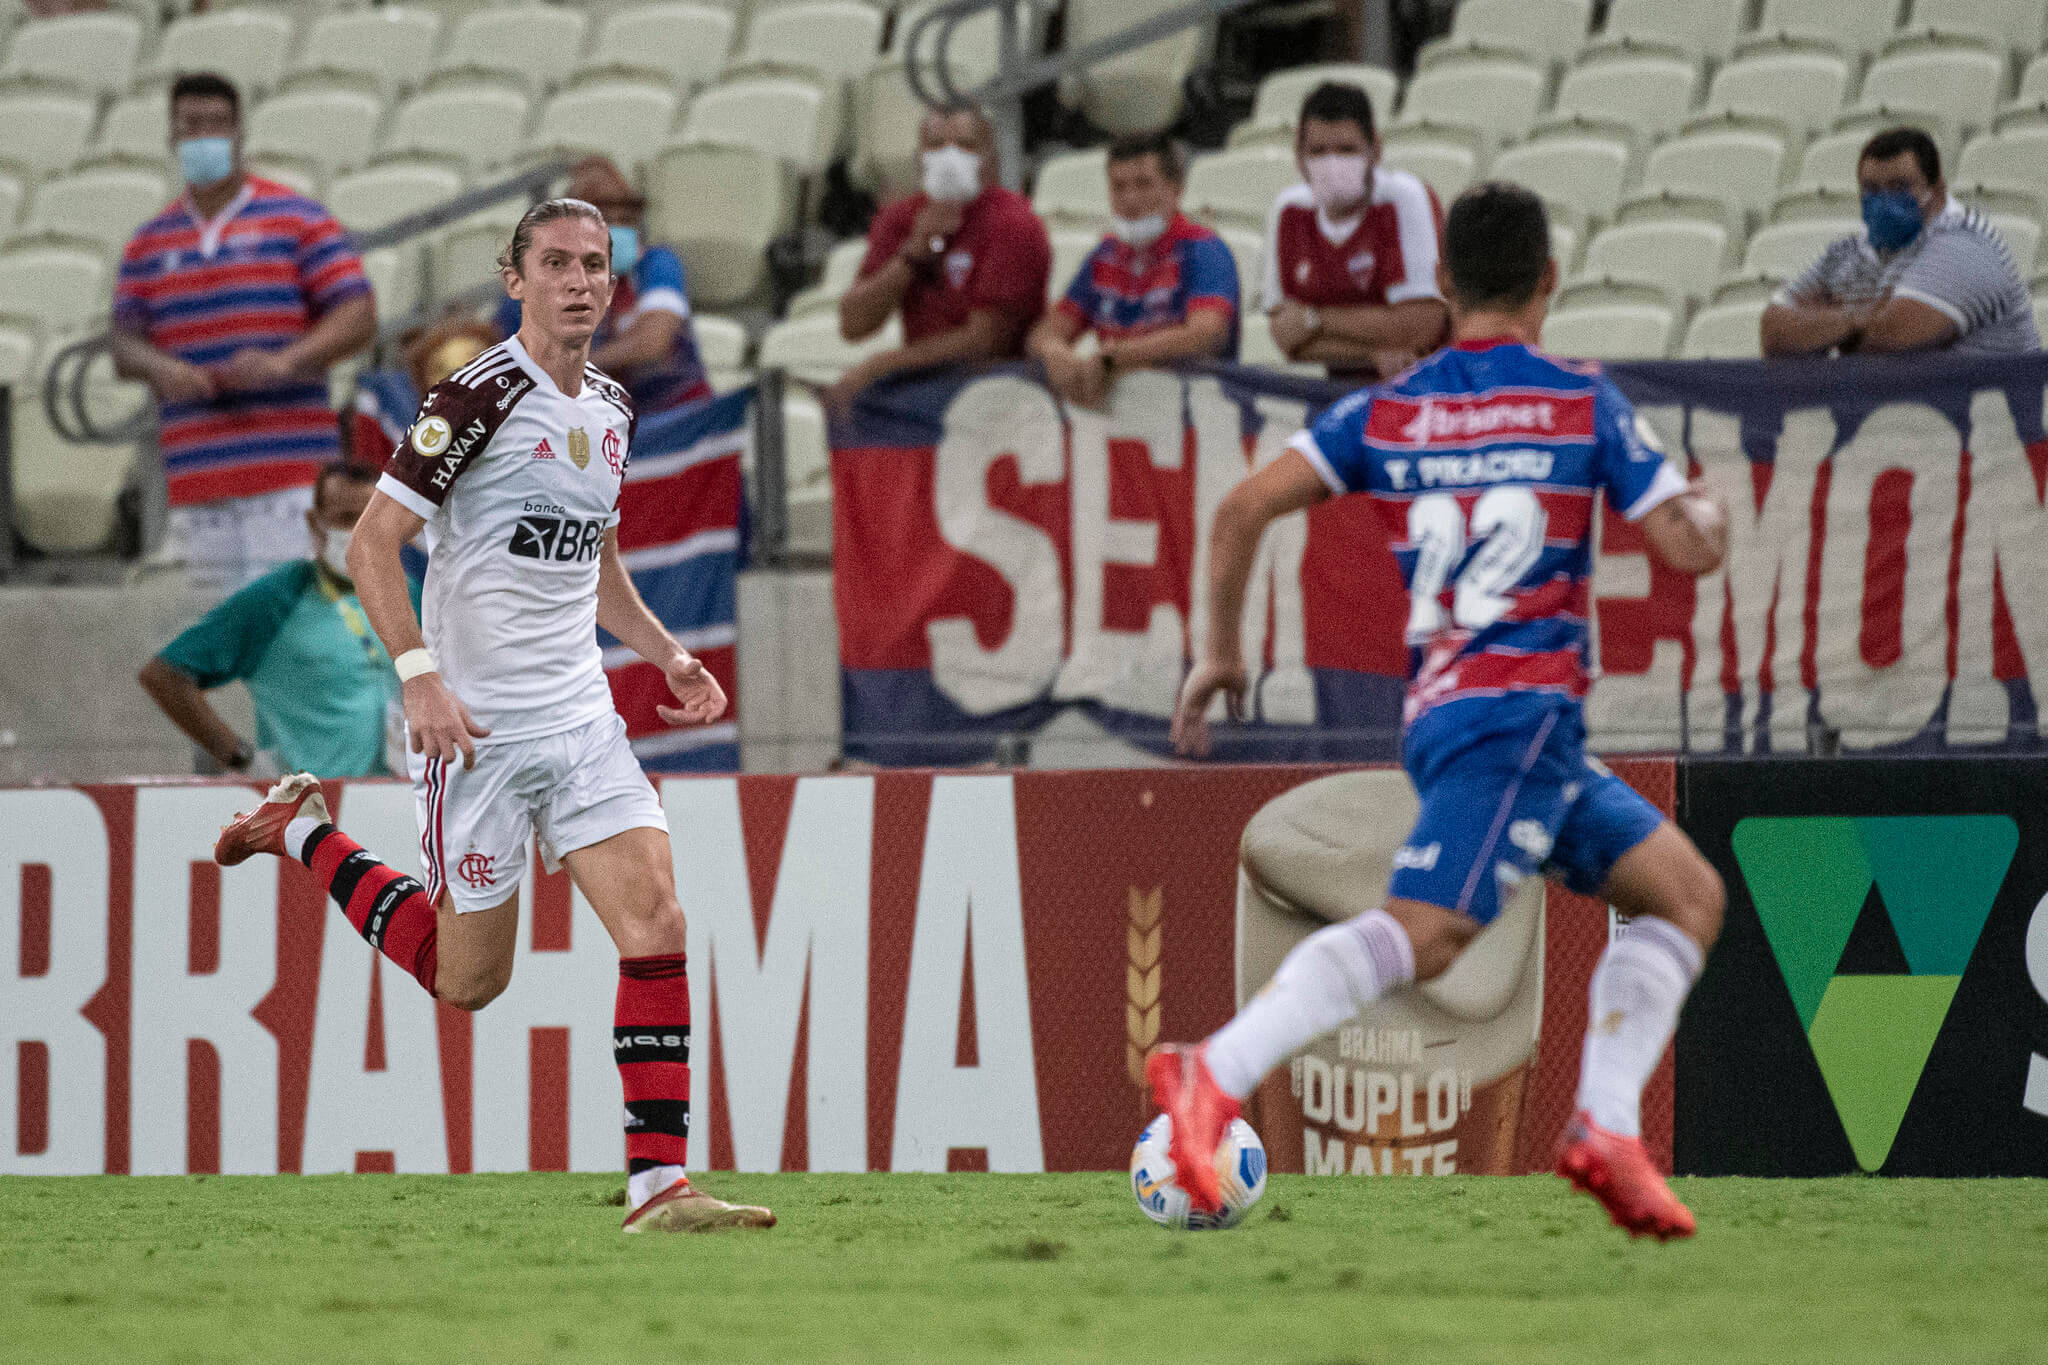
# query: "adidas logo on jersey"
[[543, 451]]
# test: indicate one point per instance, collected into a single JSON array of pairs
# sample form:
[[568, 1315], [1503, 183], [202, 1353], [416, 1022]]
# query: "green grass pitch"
[[506, 1269]]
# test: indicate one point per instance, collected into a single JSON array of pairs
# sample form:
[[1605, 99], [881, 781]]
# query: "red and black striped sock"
[[651, 1043], [389, 909]]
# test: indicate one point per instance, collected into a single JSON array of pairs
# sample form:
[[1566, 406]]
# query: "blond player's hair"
[[548, 211]]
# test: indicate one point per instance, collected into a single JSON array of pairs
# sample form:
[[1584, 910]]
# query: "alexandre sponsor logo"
[[1872, 921]]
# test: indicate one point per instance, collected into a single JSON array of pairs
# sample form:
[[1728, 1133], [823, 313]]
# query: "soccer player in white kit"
[[513, 467]]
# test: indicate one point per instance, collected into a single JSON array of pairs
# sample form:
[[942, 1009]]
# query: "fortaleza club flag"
[[680, 535], [999, 555]]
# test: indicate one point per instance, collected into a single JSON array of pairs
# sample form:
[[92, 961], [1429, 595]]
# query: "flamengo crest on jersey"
[[1484, 462]]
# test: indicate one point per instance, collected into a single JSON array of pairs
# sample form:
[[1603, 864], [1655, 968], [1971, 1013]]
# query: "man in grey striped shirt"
[[1926, 273]]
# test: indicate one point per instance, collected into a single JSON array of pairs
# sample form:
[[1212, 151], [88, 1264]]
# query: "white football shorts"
[[572, 789]]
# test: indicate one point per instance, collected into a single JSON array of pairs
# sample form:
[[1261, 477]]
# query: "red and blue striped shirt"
[[258, 275], [1125, 291]]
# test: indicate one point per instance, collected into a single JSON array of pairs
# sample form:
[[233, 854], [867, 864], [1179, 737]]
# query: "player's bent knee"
[[471, 991], [653, 929]]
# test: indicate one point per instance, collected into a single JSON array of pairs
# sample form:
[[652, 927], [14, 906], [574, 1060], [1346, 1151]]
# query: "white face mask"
[[1338, 180], [1139, 232], [952, 174], [334, 551]]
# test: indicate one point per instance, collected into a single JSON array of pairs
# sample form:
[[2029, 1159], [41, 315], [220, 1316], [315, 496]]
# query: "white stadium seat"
[[1247, 252], [781, 117], [2022, 238], [477, 125], [811, 349], [394, 274], [103, 204], [66, 495], [465, 253], [46, 129], [2016, 23], [335, 130], [1498, 97], [58, 284], [1546, 31], [17, 349], [626, 120], [136, 127], [886, 115], [368, 199], [391, 46], [1581, 173], [686, 42], [721, 341], [842, 268], [1436, 156], [1619, 331], [2034, 81], [1743, 167], [536, 45], [93, 51], [1239, 184], [1678, 256], [2016, 158], [1646, 91], [1278, 104], [1782, 250], [1564, 247], [1830, 162], [1725, 331], [1073, 188], [1804, 89], [1070, 247], [1704, 28], [1136, 91], [973, 50], [1966, 80], [13, 194], [247, 46], [839, 39], [1861, 26], [719, 207]]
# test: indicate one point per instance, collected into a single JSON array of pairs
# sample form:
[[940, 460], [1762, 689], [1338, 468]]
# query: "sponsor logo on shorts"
[[564, 540], [476, 869], [1418, 859]]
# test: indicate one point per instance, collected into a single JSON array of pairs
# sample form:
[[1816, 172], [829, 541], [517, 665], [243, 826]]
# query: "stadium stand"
[[1136, 91], [46, 129], [1073, 190], [93, 52], [1545, 32], [838, 40], [1725, 331], [1699, 28], [722, 344], [248, 46], [1444, 157], [103, 204], [1499, 96], [1238, 186], [1278, 102], [473, 124], [1685, 257], [535, 45], [1610, 331], [1798, 83], [55, 281], [842, 268], [1577, 170], [626, 119], [1858, 26], [391, 48], [1648, 91], [332, 129], [1742, 166], [135, 127], [684, 44]]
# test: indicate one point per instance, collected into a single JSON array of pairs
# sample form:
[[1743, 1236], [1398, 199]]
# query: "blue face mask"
[[206, 161], [625, 249], [1892, 217]]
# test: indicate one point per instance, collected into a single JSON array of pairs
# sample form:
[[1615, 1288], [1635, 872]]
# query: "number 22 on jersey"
[[1504, 539]]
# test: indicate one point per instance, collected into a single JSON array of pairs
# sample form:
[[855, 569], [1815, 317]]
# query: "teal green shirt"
[[306, 652]]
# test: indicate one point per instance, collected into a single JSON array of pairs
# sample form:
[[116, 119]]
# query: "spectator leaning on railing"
[[1158, 289], [966, 261], [1351, 253], [1926, 272], [231, 304], [298, 639]]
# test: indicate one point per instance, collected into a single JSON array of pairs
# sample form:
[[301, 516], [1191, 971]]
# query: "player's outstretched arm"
[[440, 725], [1689, 532], [620, 610], [1289, 484]]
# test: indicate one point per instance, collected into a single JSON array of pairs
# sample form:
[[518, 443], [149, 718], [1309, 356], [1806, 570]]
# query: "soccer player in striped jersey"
[[513, 467], [1486, 462]]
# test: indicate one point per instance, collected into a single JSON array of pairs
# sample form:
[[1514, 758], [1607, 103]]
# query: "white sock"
[[642, 1186], [1329, 977], [295, 835], [1638, 987]]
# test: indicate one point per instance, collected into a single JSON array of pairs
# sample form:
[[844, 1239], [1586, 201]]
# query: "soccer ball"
[[1240, 1164]]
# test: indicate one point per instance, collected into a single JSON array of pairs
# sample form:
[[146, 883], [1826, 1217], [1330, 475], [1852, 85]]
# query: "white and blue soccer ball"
[[1240, 1168]]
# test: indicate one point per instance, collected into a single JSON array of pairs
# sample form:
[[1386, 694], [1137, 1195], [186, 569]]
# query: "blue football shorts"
[[1508, 791]]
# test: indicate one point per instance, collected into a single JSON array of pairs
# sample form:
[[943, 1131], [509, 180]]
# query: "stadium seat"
[[1680, 257], [1872, 119], [1278, 103], [1564, 247], [1782, 250], [58, 283], [722, 346], [103, 204], [1070, 247], [248, 46], [1581, 173], [1725, 331], [1862, 26], [807, 471], [1800, 204], [1136, 91], [2015, 23], [973, 50], [1649, 92], [842, 268], [335, 130], [784, 118], [1803, 88], [1830, 162], [1499, 97], [17, 349], [66, 496], [94, 51], [394, 274], [626, 120], [1621, 331], [886, 115], [1737, 287], [300, 177], [719, 207], [1544, 31], [2016, 158], [1964, 78], [812, 350], [1238, 185], [135, 128], [1739, 166], [368, 199], [390, 46], [2022, 236], [536, 45], [46, 129], [1248, 252], [2034, 81], [1073, 189], [1445, 159], [465, 253], [687, 43], [839, 39], [1703, 28], [473, 124], [13, 194]]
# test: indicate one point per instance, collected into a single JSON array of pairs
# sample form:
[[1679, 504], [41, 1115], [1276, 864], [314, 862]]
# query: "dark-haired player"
[[513, 466], [1486, 462]]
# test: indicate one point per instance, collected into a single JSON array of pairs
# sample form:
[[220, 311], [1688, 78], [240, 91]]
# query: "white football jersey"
[[518, 483]]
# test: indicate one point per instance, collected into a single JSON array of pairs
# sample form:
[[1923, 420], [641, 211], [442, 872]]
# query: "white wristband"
[[414, 662]]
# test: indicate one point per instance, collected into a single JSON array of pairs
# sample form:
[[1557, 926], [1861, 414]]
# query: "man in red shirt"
[[1351, 253], [966, 261]]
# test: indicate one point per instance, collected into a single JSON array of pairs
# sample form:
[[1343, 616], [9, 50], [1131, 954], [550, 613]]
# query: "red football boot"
[[262, 830], [1617, 1171], [1201, 1113]]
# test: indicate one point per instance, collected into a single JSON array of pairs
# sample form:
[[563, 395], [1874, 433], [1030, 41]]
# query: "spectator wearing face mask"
[[298, 639], [1351, 253], [1926, 272], [1158, 289], [966, 262]]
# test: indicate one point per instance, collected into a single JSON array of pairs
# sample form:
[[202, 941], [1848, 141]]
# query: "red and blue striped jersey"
[[258, 275], [1124, 291], [1485, 461]]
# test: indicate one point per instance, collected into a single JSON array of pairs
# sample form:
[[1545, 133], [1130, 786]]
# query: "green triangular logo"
[[1936, 876]]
